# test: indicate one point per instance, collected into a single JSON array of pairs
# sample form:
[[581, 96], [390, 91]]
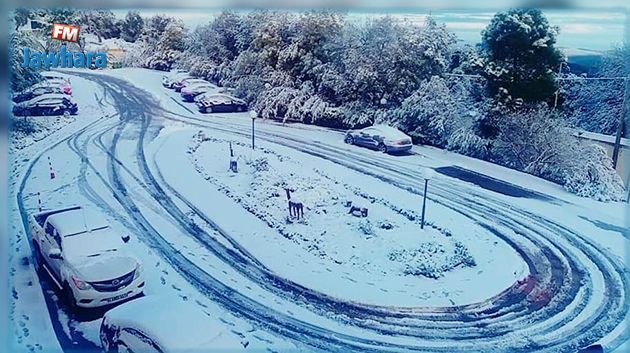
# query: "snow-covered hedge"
[[432, 260], [536, 140], [594, 176]]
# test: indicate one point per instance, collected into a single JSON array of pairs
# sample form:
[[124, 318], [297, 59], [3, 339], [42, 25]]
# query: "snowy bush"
[[23, 126], [535, 139], [203, 69], [594, 176], [260, 164], [365, 226], [432, 260], [593, 105], [464, 140], [274, 103], [430, 114]]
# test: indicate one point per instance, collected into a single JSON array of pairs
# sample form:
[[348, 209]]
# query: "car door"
[[56, 263], [220, 107], [50, 106], [366, 137], [51, 241]]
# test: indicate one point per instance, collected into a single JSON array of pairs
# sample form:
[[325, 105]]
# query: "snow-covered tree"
[[520, 56], [22, 78], [593, 105], [430, 114], [386, 61], [534, 139], [102, 23], [168, 48], [21, 17], [132, 26], [310, 45]]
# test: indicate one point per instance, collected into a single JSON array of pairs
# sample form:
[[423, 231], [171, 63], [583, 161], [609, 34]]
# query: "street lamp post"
[[428, 174], [253, 114]]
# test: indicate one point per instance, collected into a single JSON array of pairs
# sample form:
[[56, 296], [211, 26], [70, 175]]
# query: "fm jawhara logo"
[[63, 57]]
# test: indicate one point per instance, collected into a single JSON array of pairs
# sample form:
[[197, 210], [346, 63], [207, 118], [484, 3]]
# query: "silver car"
[[380, 137]]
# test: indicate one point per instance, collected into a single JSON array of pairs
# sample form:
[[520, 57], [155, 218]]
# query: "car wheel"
[[382, 148], [209, 109], [69, 296], [66, 113], [349, 140]]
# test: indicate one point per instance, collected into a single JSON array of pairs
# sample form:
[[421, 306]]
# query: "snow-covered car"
[[85, 258], [171, 78], [57, 79], [46, 104], [380, 137], [193, 90], [63, 84], [156, 324], [35, 91], [185, 82], [213, 103]]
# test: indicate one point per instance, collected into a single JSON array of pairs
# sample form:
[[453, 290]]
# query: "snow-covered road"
[[573, 292]]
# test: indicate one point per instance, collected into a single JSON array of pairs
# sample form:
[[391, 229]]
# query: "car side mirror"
[[126, 238], [55, 253]]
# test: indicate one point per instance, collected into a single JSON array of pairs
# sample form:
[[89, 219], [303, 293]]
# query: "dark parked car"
[[36, 91], [47, 104], [380, 137], [171, 78], [215, 103]]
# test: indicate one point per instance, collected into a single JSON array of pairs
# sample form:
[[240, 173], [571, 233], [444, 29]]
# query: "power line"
[[576, 78]]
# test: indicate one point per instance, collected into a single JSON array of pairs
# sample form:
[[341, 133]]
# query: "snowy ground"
[[549, 268]]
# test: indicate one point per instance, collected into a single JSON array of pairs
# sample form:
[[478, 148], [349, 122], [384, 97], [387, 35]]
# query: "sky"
[[581, 30]]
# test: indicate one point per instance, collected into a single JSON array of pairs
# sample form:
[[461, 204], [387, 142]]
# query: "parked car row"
[[207, 97], [51, 96]]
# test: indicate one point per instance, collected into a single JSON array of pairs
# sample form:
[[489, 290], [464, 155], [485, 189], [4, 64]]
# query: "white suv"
[[85, 258]]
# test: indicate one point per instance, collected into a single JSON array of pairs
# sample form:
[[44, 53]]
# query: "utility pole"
[[253, 114], [555, 101], [621, 125], [424, 202], [427, 175]]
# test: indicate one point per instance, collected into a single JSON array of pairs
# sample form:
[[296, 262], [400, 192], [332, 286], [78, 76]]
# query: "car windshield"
[[93, 243]]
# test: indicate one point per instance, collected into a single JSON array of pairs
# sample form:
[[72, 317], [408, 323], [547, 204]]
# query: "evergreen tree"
[[520, 56], [132, 26]]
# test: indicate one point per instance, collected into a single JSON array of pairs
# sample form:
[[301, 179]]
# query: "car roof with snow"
[[47, 96], [77, 221], [174, 325], [48, 83], [40, 86], [56, 81], [388, 131], [219, 98], [190, 81], [195, 85]]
